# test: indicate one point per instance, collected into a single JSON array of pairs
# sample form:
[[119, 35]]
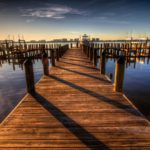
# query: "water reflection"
[[12, 83], [136, 82]]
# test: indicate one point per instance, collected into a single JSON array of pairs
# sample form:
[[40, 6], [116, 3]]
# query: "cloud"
[[109, 18], [52, 11], [29, 20]]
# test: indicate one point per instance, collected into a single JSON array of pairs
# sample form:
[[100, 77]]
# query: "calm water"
[[12, 81], [136, 84]]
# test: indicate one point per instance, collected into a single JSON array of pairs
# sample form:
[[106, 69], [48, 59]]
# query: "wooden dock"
[[75, 108]]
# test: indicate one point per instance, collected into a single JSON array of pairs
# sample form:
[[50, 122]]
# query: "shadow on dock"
[[80, 73], [119, 105], [83, 135], [78, 65], [78, 60]]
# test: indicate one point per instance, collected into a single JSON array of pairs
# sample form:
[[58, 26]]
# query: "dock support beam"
[[102, 63], [53, 57], [45, 64], [57, 54], [119, 74], [95, 56], [29, 76], [91, 53]]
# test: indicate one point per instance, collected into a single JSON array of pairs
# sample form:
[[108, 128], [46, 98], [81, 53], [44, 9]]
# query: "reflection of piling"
[[119, 74], [45, 64], [148, 60], [149, 51], [102, 63], [29, 75], [140, 50]]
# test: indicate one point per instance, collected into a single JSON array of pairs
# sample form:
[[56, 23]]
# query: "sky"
[[54, 19]]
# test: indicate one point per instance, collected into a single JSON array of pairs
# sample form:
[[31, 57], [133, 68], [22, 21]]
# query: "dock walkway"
[[75, 108]]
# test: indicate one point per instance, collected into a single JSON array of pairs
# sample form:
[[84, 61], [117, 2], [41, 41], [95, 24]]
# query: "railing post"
[[102, 63], [29, 76], [119, 74], [53, 57], [45, 64]]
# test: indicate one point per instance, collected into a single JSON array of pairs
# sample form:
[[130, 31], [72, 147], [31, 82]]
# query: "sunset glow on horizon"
[[55, 19]]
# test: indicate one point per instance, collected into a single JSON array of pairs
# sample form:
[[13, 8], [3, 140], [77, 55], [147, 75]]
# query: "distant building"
[[85, 38], [95, 39], [64, 40], [33, 41], [42, 41], [76, 40]]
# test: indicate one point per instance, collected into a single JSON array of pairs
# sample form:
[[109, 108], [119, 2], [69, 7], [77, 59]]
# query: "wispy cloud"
[[110, 18], [52, 11], [29, 20]]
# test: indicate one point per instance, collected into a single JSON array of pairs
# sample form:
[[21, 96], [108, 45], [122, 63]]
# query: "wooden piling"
[[91, 53], [57, 54], [119, 74], [102, 63], [149, 51], [29, 76], [52, 57], [45, 64], [95, 56], [88, 51]]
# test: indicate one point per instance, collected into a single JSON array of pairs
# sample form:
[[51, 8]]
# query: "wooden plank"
[[75, 108]]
